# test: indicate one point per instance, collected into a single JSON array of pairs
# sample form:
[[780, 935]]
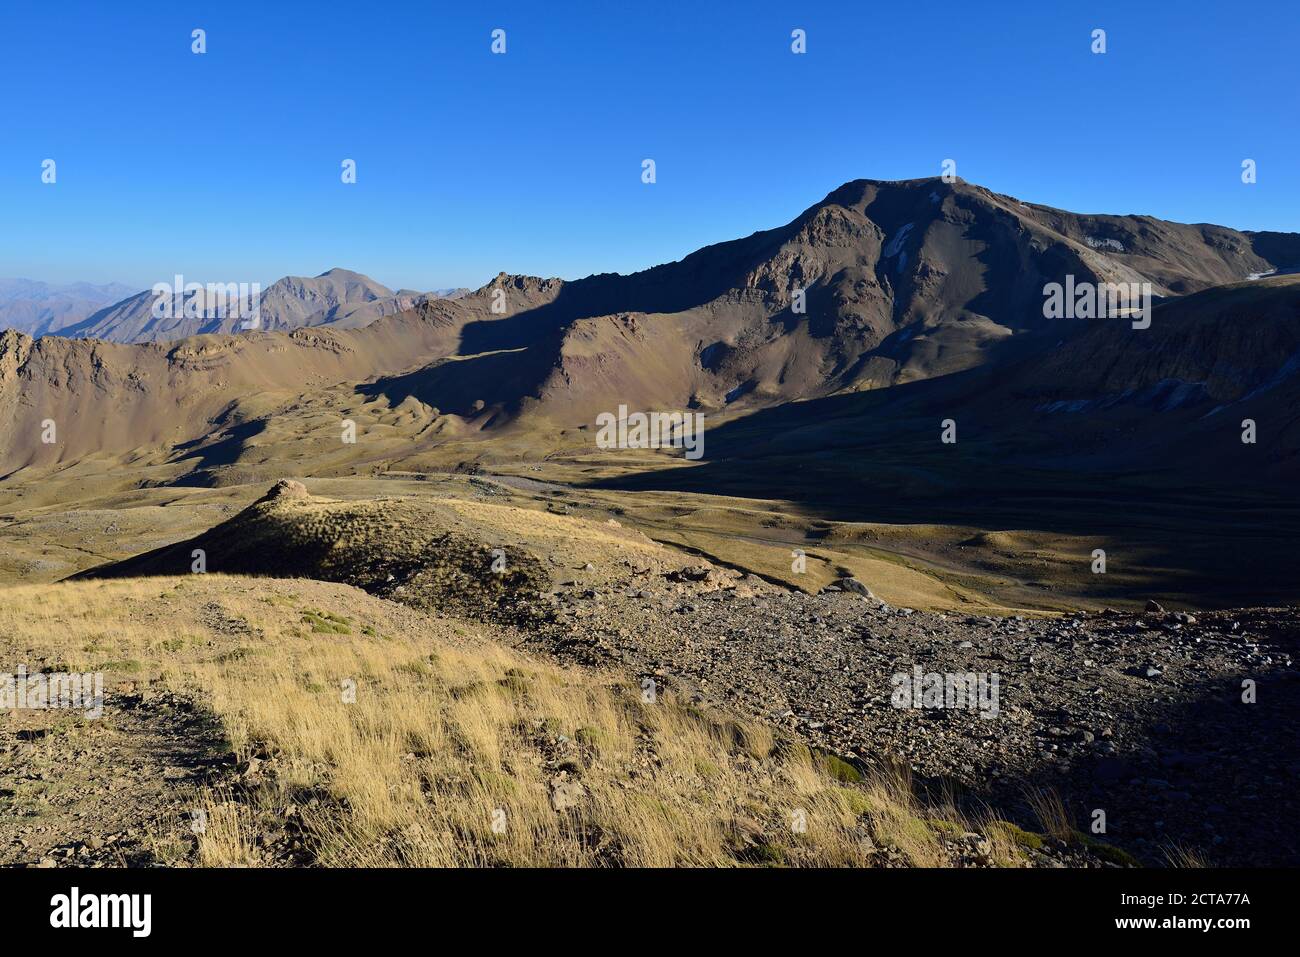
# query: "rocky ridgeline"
[[407, 550]]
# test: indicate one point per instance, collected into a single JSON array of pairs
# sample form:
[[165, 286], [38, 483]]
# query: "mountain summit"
[[880, 284]]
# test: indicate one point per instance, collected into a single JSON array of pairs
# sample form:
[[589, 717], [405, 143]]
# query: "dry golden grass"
[[1180, 856], [1052, 814], [401, 739]]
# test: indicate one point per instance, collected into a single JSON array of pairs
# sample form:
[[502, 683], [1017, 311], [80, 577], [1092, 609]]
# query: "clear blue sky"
[[226, 166]]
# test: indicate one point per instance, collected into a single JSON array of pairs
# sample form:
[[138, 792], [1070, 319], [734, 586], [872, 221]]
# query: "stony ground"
[[132, 786], [1139, 716], [115, 792]]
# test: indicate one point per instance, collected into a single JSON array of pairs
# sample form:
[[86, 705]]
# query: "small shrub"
[[1107, 852], [323, 623], [841, 770], [1018, 835], [856, 801]]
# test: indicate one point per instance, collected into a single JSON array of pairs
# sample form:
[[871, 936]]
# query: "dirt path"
[[118, 790]]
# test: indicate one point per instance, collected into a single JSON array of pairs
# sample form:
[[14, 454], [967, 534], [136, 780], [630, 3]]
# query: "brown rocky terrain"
[[903, 282], [458, 546]]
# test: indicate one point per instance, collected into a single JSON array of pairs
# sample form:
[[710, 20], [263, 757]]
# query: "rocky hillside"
[[901, 281], [110, 398], [479, 558], [292, 723], [877, 286], [1104, 710]]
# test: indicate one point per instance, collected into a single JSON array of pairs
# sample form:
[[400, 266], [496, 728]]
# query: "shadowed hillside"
[[900, 281]]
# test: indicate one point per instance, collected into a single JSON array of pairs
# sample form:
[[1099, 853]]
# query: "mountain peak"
[[338, 272]]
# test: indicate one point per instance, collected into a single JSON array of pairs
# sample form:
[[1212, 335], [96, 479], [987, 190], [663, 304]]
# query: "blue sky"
[[226, 166]]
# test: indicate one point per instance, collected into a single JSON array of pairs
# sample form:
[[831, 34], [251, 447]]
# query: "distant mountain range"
[[114, 313], [920, 292], [42, 308]]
